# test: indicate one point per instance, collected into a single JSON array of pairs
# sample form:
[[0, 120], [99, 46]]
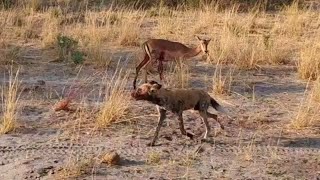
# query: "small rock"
[[111, 158]]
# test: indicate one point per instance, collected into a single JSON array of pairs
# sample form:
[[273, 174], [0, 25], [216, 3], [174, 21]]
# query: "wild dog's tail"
[[217, 106]]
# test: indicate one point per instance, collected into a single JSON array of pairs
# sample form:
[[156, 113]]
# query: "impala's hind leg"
[[181, 127], [138, 68]]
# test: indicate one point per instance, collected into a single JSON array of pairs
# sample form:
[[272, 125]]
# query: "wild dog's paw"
[[205, 140]]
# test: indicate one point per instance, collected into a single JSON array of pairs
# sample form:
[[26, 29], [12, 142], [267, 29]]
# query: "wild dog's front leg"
[[162, 117], [204, 116]]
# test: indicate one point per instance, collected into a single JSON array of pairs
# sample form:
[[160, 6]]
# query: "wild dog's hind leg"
[[181, 126], [214, 116], [204, 116], [162, 117]]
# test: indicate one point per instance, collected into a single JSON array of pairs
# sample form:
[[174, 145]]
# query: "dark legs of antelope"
[[138, 68], [160, 59]]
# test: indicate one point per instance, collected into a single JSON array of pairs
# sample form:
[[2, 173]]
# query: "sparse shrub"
[[77, 57], [67, 49]]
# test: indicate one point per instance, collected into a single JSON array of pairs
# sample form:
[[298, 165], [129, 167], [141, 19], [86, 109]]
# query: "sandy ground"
[[258, 144]]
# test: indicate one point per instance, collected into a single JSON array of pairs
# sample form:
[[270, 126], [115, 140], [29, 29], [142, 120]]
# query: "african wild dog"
[[177, 101]]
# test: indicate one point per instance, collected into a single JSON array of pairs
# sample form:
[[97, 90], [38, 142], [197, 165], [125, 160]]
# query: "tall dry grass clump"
[[309, 61], [129, 28], [10, 99], [308, 114], [178, 75], [241, 41], [294, 20], [222, 84], [116, 100]]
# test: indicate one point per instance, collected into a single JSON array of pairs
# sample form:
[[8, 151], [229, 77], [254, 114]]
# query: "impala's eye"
[[139, 90]]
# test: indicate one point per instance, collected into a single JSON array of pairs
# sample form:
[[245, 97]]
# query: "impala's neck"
[[193, 52]]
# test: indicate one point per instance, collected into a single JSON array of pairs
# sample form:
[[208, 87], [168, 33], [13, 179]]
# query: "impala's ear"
[[198, 37], [209, 40], [155, 84]]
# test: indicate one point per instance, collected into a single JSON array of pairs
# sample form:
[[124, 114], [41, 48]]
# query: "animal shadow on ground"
[[302, 142], [128, 162]]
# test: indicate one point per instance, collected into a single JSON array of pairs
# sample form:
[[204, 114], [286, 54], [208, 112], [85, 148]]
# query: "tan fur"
[[161, 50], [177, 101]]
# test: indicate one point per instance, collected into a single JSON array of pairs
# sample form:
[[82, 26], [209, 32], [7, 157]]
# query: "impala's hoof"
[[189, 135], [150, 144]]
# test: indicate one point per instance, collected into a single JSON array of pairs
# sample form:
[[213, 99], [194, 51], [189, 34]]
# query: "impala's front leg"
[[160, 70], [160, 66]]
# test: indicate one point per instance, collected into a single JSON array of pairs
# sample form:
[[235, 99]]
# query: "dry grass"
[[153, 158], [10, 100], [247, 40], [308, 114], [129, 29], [116, 100], [222, 85], [76, 167], [10, 53], [309, 61], [178, 75]]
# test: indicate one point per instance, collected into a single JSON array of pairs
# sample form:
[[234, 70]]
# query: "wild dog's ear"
[[155, 84]]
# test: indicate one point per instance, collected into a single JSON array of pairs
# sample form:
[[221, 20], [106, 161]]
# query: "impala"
[[162, 50]]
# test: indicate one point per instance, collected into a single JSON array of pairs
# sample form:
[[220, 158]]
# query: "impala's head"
[[146, 91], [204, 44]]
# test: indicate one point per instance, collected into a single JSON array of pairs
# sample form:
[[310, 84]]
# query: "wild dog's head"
[[146, 91]]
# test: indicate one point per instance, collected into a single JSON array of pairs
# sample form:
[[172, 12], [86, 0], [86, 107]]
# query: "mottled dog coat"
[[177, 101]]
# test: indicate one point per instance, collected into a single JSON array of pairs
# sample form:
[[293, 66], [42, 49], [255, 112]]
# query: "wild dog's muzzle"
[[138, 96]]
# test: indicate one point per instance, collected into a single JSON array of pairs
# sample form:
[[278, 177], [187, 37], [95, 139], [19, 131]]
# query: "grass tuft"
[[10, 100], [116, 101], [308, 114]]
